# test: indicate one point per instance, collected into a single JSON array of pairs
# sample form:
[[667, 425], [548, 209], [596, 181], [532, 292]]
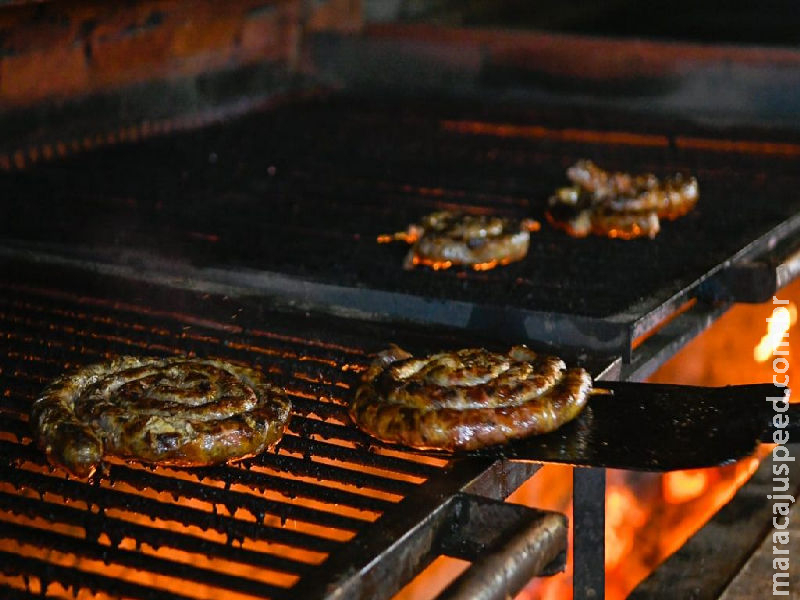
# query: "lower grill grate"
[[252, 529]]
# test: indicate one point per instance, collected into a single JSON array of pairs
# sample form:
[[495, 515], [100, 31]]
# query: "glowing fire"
[[650, 516], [624, 515], [532, 225], [683, 486], [782, 319], [437, 265], [410, 236], [569, 227], [623, 234], [486, 266]]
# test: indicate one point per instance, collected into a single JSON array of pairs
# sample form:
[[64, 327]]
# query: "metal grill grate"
[[304, 190], [291, 201], [254, 529]]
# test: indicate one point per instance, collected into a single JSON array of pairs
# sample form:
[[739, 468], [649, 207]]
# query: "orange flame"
[[410, 236], [783, 317], [624, 516], [433, 264], [623, 234], [683, 486], [486, 266], [438, 265], [531, 225]]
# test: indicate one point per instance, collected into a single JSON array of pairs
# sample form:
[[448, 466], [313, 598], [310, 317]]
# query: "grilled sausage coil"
[[445, 238], [467, 399], [619, 204], [173, 411]]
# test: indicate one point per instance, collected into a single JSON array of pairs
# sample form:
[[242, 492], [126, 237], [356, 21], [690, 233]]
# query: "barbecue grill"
[[242, 223]]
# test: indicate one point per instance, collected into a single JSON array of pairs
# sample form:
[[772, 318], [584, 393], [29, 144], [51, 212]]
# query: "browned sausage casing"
[[173, 411], [619, 205], [447, 238], [467, 399]]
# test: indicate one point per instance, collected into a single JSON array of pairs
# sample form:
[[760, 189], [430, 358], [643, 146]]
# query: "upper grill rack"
[[253, 529], [303, 191]]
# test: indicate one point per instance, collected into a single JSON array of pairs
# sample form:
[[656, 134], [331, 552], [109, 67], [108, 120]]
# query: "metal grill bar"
[[150, 323], [187, 516], [46, 572], [140, 479], [258, 481], [324, 410], [317, 448], [111, 334], [306, 427], [118, 529], [137, 560], [14, 426], [306, 468], [11, 593]]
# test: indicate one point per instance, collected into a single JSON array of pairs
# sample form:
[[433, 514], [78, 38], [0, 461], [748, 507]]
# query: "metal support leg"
[[589, 522]]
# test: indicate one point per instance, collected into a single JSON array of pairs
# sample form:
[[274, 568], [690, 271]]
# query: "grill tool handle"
[[792, 429]]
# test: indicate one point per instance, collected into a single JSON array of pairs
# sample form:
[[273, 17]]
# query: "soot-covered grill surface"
[[257, 528], [304, 190]]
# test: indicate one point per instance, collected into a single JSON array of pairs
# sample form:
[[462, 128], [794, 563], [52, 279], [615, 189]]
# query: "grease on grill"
[[444, 239], [618, 205]]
